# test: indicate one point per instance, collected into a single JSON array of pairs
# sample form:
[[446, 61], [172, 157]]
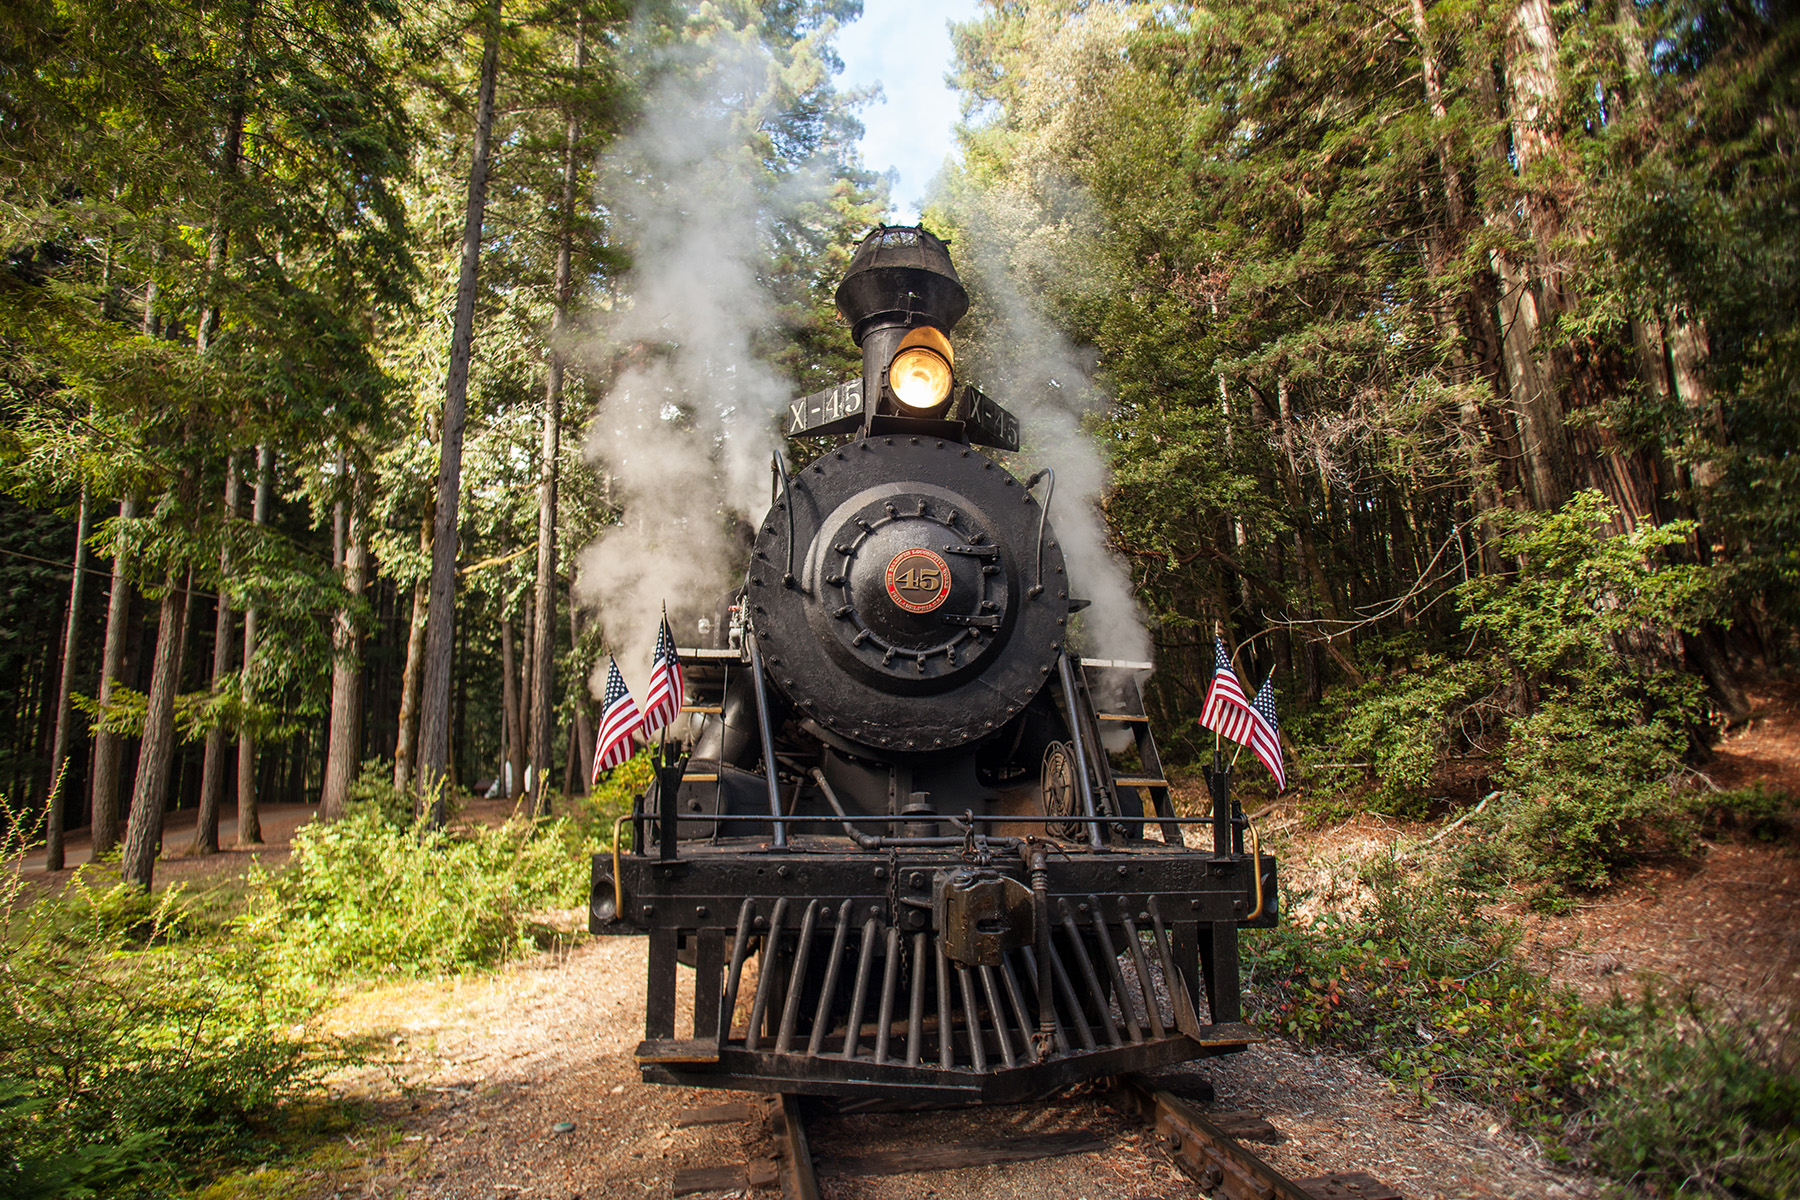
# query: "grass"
[[159, 1045]]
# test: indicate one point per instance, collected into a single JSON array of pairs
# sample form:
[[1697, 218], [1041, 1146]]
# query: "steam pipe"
[[787, 506], [768, 734], [867, 841], [1043, 519]]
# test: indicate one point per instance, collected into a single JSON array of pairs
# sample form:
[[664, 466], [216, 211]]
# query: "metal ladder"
[[1119, 684]]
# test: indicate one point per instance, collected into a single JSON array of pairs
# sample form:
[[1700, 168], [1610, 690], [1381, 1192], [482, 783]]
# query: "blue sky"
[[904, 45]]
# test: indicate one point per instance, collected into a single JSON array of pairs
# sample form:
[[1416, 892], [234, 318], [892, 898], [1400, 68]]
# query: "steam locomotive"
[[911, 844]]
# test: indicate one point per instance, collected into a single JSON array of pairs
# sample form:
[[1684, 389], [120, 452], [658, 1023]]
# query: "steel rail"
[[1218, 1162], [799, 1180], [1223, 1167]]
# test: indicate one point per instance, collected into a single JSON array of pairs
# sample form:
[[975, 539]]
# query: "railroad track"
[[1208, 1146]]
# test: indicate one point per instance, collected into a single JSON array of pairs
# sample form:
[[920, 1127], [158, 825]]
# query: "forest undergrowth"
[[150, 1043], [1663, 1092]]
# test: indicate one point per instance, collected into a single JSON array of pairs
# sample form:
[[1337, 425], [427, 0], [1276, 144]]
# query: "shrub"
[[127, 1051], [1765, 813], [362, 897], [1402, 725], [1433, 991], [1588, 782], [1702, 1102]]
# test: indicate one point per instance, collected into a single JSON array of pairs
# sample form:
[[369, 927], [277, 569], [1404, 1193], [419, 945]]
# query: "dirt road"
[[494, 1066]]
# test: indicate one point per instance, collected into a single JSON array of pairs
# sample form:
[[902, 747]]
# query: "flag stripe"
[[1227, 711], [1265, 736], [620, 721], [663, 700]]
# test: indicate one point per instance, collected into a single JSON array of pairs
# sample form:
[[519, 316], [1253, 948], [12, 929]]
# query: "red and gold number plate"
[[918, 580]]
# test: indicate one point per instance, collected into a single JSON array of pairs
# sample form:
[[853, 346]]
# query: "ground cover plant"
[[150, 1042], [1662, 1092]]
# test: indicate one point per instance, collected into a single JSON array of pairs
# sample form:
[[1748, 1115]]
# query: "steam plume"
[[1018, 356], [688, 426]]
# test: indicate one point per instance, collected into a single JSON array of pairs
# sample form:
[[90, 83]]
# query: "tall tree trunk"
[[405, 739], [212, 768], [345, 742], [218, 245], [583, 733], [514, 774], [1302, 517], [108, 746], [249, 817], [59, 742], [440, 611], [542, 691], [1534, 100], [143, 834], [1544, 470]]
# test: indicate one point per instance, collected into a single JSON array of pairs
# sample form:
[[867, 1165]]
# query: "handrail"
[[1255, 868]]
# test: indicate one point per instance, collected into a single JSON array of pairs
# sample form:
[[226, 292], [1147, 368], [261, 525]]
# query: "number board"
[[834, 410], [989, 424]]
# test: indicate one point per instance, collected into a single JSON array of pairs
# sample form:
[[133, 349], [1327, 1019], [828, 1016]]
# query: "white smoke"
[[1003, 253], [686, 431]]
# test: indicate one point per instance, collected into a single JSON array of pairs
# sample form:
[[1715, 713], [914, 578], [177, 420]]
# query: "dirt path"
[[493, 1065]]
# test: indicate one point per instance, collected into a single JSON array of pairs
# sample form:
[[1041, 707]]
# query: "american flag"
[[620, 721], [1265, 732], [1227, 712], [663, 700]]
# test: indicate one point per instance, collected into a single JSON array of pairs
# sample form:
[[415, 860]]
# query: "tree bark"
[[1309, 551], [104, 823], [212, 768], [1534, 98], [345, 742], [143, 834], [59, 742], [514, 773], [543, 627], [405, 738], [440, 613], [583, 733], [249, 816]]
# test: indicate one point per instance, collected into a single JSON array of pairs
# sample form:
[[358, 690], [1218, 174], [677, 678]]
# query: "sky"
[[904, 45]]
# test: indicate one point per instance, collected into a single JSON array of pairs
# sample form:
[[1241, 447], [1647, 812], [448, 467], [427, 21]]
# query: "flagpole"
[[662, 734]]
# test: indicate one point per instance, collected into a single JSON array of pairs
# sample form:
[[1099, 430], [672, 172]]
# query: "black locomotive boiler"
[[911, 843]]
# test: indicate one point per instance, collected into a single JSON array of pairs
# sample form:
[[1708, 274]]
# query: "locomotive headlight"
[[922, 371], [920, 377]]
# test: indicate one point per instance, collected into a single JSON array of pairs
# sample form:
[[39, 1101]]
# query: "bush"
[[1702, 1103], [1588, 782], [1572, 668], [362, 897], [127, 1051], [1402, 725], [1765, 813], [1435, 993]]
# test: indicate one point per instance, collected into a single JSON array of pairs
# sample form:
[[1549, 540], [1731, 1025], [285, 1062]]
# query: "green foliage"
[[1765, 813], [1588, 781], [363, 897], [1401, 725], [1590, 770], [1701, 1102], [614, 795], [1427, 986], [373, 791], [128, 1051]]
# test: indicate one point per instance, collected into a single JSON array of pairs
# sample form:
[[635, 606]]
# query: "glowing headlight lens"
[[919, 377]]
